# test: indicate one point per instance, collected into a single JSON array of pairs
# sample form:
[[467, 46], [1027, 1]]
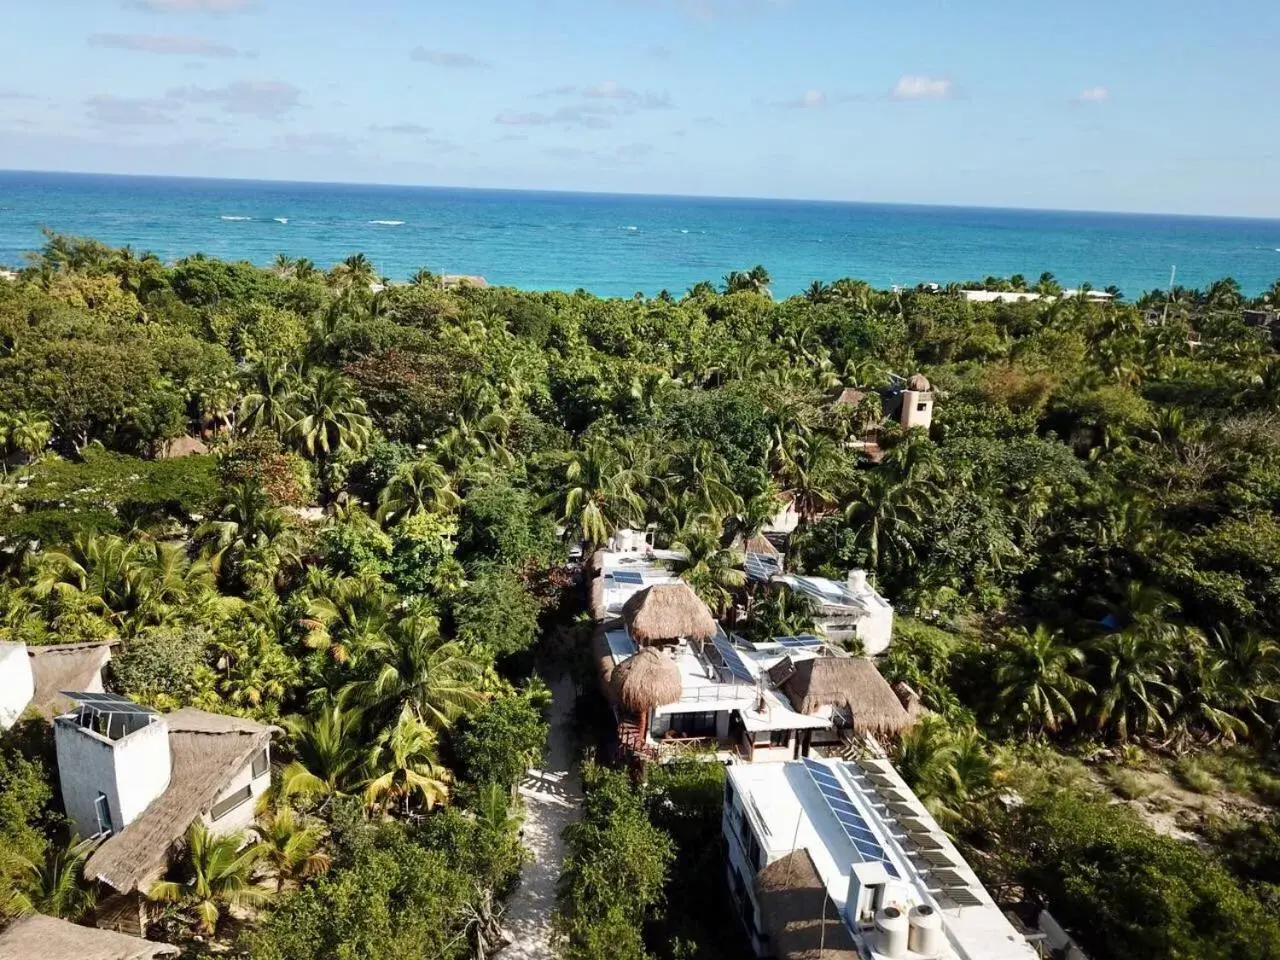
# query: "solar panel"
[[628, 576], [805, 642], [962, 897], [847, 815], [948, 877], [761, 567], [937, 858], [733, 660], [107, 703], [620, 644]]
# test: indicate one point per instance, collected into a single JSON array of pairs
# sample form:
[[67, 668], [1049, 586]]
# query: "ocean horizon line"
[[644, 195]]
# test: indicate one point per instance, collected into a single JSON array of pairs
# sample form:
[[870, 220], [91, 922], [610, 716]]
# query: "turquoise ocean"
[[617, 245]]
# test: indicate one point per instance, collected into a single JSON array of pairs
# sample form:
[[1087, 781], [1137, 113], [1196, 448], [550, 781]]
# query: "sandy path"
[[552, 799]]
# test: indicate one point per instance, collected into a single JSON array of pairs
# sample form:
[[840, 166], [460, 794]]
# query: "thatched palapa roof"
[[919, 383], [850, 397], [75, 667], [646, 680], [850, 682], [183, 447], [37, 937], [207, 750], [667, 611], [795, 908]]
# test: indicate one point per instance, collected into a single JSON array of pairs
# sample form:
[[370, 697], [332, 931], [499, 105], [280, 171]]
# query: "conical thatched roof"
[[647, 680], [795, 907], [667, 611], [909, 699], [850, 397], [919, 383], [850, 682]]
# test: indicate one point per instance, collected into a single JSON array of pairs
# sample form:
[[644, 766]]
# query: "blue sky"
[[1094, 104]]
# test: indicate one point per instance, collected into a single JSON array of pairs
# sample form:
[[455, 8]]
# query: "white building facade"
[[899, 886], [17, 686]]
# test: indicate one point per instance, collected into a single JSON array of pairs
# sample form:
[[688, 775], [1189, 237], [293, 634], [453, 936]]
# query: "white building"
[[629, 564], [999, 296], [33, 677], [845, 610], [844, 856], [140, 779], [758, 701]]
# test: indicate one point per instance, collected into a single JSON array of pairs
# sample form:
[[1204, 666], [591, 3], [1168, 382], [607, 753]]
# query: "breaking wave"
[[388, 223]]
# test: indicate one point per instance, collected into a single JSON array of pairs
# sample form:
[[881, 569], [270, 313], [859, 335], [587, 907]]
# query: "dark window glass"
[[779, 738], [226, 805], [261, 764]]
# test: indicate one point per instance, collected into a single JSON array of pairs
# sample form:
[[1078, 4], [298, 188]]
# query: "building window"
[[728, 793], [260, 764], [693, 724], [229, 803], [102, 807], [921, 407], [779, 738]]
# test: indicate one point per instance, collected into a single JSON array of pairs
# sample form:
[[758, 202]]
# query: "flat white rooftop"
[[836, 593], [627, 573], [788, 812]]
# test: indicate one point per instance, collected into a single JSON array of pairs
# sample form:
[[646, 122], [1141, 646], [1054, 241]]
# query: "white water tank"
[[925, 936], [891, 932], [857, 582]]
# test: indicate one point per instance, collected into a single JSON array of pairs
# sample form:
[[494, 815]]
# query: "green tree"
[[215, 874], [500, 741], [1038, 677]]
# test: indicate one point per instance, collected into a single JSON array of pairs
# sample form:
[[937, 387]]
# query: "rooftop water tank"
[[925, 937], [891, 931]]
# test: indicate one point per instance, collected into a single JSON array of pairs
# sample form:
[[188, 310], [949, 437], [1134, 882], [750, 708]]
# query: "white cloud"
[[809, 100], [590, 117], [411, 129], [191, 6], [148, 43], [129, 111], [1093, 95], [444, 58], [266, 99], [917, 87]]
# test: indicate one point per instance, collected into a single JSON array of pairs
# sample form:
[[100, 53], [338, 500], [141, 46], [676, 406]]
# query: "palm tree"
[[271, 399], [782, 612], [406, 766], [422, 278], [55, 887], [414, 664], [355, 272], [885, 516], [331, 419], [347, 615], [329, 757], [289, 847], [1036, 679], [29, 433], [814, 469], [249, 540], [282, 265], [817, 292], [597, 494], [1133, 695], [713, 571], [423, 485], [217, 874], [952, 772]]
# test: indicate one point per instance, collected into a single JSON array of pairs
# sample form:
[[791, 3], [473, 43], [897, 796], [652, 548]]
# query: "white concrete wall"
[[735, 857], [131, 771], [784, 521], [242, 817], [913, 417], [17, 686], [876, 630]]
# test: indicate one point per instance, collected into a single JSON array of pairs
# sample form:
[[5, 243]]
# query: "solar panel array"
[[620, 644], [629, 577], [733, 660], [846, 813], [108, 703], [806, 641], [760, 567]]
